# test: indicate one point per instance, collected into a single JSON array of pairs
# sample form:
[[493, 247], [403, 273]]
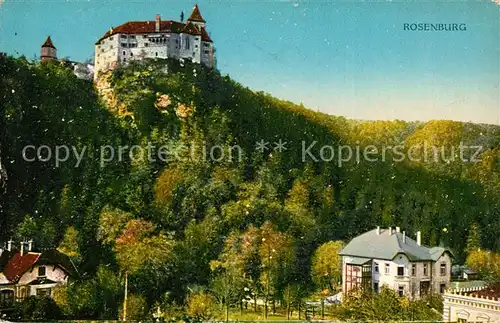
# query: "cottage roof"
[[387, 244]]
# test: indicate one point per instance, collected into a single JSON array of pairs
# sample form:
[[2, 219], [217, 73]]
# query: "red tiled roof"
[[144, 27], [205, 36], [196, 15], [48, 43], [18, 265], [191, 29]]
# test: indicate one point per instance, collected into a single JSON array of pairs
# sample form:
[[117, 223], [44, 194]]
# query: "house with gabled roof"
[[25, 272], [389, 258], [137, 40]]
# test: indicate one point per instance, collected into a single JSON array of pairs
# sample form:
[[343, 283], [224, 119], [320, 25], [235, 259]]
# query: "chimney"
[[22, 248], [9, 245], [398, 229], [419, 238], [378, 230], [404, 236], [30, 245], [157, 25]]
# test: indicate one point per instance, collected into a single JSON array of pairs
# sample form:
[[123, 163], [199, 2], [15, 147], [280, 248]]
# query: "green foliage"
[[34, 308], [327, 265], [201, 306], [164, 221], [486, 263], [137, 308], [386, 306]]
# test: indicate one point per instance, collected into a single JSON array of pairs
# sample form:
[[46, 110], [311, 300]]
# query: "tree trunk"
[[227, 311], [125, 298]]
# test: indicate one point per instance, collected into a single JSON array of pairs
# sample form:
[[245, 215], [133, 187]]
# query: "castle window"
[[123, 36], [131, 54], [111, 38], [156, 54], [124, 59], [124, 45], [146, 44], [132, 36], [206, 51], [124, 53]]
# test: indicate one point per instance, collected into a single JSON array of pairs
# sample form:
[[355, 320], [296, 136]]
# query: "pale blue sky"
[[347, 58]]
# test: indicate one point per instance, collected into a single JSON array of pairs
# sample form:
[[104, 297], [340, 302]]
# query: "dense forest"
[[183, 223]]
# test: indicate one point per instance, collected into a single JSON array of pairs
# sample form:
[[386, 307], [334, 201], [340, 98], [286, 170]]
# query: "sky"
[[341, 57]]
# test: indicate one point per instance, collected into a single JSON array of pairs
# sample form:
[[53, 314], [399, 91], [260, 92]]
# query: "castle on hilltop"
[[137, 40]]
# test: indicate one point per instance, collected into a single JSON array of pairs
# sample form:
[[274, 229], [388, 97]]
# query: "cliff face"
[[107, 93]]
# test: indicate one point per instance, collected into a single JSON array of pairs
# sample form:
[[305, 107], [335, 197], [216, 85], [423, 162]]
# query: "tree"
[[473, 239], [69, 244], [137, 247], [277, 256], [486, 263], [200, 306], [327, 265]]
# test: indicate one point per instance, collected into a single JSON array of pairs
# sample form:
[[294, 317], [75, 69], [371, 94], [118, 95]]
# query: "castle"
[[136, 40]]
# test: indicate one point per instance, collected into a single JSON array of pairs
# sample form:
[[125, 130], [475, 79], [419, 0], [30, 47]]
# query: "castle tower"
[[48, 51], [196, 17]]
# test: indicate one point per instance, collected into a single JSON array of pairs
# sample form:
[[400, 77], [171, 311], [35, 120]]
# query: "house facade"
[[478, 304], [24, 273], [389, 258], [137, 40]]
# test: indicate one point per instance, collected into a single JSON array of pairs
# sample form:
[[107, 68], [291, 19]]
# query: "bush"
[[35, 308]]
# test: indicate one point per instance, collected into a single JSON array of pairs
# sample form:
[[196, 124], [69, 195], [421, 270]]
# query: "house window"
[[401, 271], [401, 290], [375, 288], [6, 296], [132, 36], [123, 36], [387, 269], [187, 43], [146, 44], [442, 287], [41, 271], [414, 269], [123, 52], [156, 54], [43, 292], [376, 267], [442, 269], [206, 51], [426, 271], [111, 38], [131, 54]]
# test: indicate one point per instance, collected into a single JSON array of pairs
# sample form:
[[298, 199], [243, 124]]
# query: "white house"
[[136, 40], [26, 273], [388, 257], [477, 304]]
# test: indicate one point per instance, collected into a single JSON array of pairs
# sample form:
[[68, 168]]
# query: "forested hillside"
[[171, 223]]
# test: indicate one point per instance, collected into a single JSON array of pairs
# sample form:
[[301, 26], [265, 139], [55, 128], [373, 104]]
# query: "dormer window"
[[41, 271]]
